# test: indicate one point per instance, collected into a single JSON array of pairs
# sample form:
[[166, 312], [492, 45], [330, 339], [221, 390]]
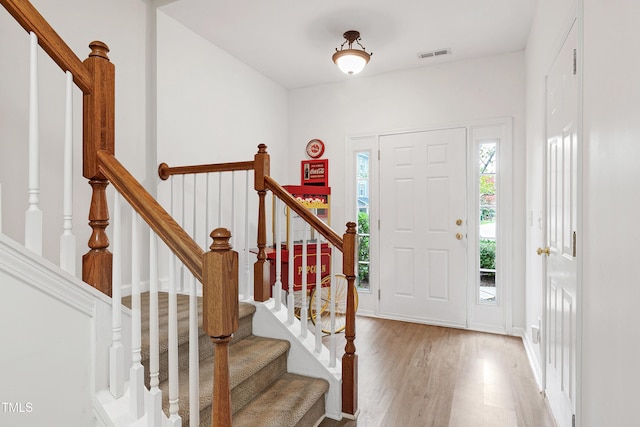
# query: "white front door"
[[423, 245], [561, 200]]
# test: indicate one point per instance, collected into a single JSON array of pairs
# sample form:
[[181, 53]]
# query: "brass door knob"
[[541, 251], [459, 236], [458, 222]]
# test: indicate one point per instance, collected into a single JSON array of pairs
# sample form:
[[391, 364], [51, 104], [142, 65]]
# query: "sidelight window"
[[487, 182], [362, 192]]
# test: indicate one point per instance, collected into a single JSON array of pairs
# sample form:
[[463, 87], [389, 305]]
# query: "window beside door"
[[364, 221], [487, 157]]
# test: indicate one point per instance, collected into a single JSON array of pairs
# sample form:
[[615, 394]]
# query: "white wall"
[[51, 326], [609, 339], [454, 93], [122, 24], [610, 289], [213, 108], [551, 25]]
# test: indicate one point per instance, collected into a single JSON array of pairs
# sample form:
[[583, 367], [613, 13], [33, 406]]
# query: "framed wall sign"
[[314, 172]]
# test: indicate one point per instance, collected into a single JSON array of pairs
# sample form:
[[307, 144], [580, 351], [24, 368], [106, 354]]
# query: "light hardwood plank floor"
[[413, 375]]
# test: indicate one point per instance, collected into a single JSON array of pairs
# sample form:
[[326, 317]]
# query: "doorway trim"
[[369, 304]]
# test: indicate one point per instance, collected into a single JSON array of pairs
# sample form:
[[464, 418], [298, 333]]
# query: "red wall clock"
[[315, 148]]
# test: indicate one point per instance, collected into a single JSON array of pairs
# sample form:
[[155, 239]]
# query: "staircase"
[[261, 387]]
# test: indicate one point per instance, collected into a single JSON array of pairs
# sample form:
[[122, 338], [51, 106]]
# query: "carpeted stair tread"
[[284, 403], [246, 310], [246, 360], [261, 388], [251, 354]]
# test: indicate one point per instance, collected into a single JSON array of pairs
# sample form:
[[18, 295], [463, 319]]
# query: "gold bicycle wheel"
[[297, 303], [340, 304]]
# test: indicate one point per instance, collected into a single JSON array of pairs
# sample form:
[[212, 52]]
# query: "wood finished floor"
[[413, 375]]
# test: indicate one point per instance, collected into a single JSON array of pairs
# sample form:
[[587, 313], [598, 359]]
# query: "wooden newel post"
[[97, 135], [261, 285], [350, 358], [220, 315]]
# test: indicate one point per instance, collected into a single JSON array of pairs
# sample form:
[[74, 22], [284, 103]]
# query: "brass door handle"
[[459, 236], [541, 251]]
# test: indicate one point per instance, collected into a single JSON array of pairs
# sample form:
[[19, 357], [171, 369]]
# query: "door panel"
[[423, 193], [561, 276]]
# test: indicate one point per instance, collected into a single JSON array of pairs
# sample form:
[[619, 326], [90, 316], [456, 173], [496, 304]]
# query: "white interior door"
[[423, 246], [561, 199]]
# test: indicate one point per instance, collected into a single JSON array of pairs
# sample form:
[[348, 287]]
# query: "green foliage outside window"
[[488, 254], [363, 247]]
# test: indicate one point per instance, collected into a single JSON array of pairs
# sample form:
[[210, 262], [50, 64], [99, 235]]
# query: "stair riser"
[[254, 385], [249, 389], [205, 348]]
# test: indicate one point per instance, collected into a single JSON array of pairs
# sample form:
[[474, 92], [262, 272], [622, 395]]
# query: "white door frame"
[[502, 130]]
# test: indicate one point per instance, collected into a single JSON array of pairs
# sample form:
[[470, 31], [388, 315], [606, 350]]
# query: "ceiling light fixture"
[[350, 60]]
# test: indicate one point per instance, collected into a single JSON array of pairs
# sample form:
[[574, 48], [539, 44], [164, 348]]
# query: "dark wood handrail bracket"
[[304, 213], [150, 210], [165, 171], [31, 20]]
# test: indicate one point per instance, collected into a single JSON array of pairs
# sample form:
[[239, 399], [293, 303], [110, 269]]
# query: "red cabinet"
[[325, 264]]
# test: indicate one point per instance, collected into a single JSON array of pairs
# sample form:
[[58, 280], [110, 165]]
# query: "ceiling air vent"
[[433, 53]]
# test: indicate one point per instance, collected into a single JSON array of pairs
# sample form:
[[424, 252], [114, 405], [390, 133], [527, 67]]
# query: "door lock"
[[458, 222], [541, 251]]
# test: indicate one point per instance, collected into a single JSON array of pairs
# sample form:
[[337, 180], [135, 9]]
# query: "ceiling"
[[291, 41]]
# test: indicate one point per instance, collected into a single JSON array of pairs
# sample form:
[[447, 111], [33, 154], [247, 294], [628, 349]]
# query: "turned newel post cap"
[[99, 49], [262, 148], [351, 227], [220, 238]]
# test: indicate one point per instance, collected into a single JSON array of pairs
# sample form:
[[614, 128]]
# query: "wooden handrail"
[[31, 20], [150, 210], [304, 213], [165, 171]]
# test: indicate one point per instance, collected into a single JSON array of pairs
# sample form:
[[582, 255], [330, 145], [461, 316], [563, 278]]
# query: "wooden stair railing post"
[[350, 358], [98, 134], [220, 314], [261, 285]]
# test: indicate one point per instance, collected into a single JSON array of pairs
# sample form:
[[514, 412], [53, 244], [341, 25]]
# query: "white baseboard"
[[530, 348]]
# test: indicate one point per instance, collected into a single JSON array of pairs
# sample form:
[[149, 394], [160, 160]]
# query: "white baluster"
[[33, 216], [333, 344], [318, 293], [247, 270], [116, 352], [194, 356], [136, 372], [277, 287], [304, 304], [68, 240], [219, 199], [233, 205], [154, 402], [182, 222], [207, 207], [291, 297], [174, 419]]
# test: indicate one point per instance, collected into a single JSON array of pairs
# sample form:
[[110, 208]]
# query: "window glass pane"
[[362, 200], [488, 220]]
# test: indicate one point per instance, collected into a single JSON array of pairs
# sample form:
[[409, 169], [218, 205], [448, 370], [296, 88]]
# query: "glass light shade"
[[351, 61]]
